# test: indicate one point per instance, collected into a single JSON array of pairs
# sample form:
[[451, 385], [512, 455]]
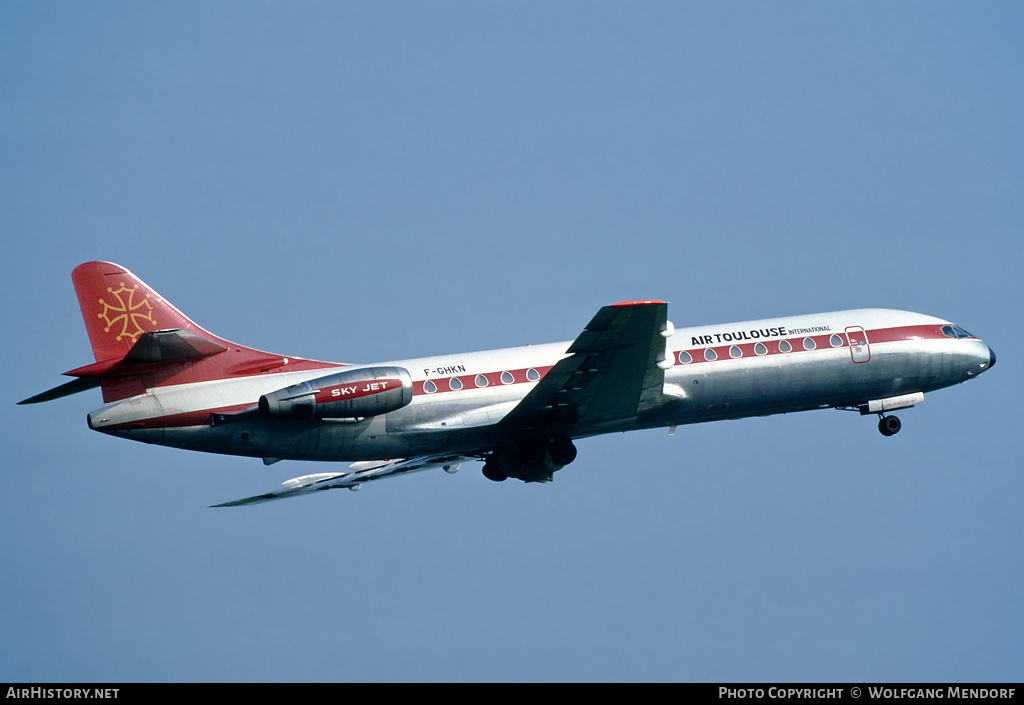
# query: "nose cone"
[[991, 358]]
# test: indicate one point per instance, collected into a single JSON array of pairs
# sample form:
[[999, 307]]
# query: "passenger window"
[[784, 346], [455, 384], [710, 355], [684, 357], [480, 381], [835, 341], [429, 387], [507, 378], [735, 351], [809, 344], [532, 375], [760, 349]]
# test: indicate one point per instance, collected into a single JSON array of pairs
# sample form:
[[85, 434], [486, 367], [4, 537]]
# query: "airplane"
[[167, 381]]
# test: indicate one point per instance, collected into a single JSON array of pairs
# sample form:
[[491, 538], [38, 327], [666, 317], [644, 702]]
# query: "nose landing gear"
[[889, 425]]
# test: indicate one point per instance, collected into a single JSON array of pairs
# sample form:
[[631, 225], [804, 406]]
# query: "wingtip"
[[639, 302], [248, 500]]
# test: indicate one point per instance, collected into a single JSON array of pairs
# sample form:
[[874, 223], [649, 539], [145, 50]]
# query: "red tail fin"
[[140, 341], [118, 307]]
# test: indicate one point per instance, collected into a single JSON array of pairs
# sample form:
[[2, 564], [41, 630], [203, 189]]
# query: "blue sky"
[[374, 181]]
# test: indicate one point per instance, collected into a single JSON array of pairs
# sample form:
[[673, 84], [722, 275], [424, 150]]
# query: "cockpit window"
[[955, 332]]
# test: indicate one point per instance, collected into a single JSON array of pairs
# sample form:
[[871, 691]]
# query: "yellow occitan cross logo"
[[126, 312]]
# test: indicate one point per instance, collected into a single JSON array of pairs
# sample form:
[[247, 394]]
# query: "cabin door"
[[860, 351]]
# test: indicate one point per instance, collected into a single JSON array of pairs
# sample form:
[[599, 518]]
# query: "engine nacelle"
[[369, 391]]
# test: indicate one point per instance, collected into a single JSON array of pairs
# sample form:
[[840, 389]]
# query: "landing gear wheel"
[[889, 425], [562, 451], [491, 472]]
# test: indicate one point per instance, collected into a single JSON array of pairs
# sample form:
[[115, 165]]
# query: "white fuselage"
[[716, 372]]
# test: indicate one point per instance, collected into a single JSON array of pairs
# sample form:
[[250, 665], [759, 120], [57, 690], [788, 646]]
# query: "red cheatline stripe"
[[932, 331], [469, 381]]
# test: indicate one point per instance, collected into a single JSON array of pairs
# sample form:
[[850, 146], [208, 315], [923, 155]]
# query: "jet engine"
[[368, 391]]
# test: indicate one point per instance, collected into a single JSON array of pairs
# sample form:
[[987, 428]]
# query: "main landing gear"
[[889, 425], [530, 461]]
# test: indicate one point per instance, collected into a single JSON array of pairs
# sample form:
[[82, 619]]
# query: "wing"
[[357, 474], [614, 371]]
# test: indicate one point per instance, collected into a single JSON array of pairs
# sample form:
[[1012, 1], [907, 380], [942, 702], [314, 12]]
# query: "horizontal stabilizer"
[[72, 387], [154, 350], [175, 345]]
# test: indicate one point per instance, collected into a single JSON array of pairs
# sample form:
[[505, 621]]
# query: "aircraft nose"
[[991, 358]]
